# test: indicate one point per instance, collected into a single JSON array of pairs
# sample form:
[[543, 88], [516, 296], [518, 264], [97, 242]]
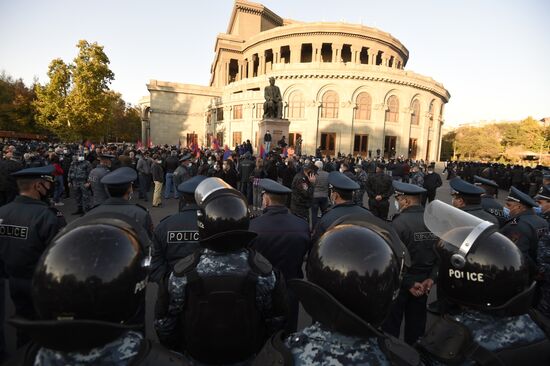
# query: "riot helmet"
[[479, 268], [354, 274], [223, 212], [89, 285]]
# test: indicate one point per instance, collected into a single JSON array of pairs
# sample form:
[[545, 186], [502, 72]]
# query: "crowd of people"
[[229, 263]]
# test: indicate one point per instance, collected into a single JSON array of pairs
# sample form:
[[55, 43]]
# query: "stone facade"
[[344, 88]]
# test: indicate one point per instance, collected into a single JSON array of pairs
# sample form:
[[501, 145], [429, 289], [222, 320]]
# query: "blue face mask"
[[538, 211], [506, 211]]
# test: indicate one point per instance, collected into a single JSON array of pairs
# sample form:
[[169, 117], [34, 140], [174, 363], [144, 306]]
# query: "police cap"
[[122, 175], [189, 186], [464, 188], [185, 157], [486, 182], [340, 181], [518, 196], [407, 189], [106, 156], [270, 186], [544, 193], [42, 172]]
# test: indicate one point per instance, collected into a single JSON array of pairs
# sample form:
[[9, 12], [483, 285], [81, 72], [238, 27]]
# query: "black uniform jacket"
[[175, 237], [334, 213], [122, 206], [409, 225], [27, 226], [525, 230], [492, 206], [283, 238]]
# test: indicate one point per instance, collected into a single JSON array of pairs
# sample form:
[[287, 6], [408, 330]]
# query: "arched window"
[[415, 116], [329, 108], [392, 113], [296, 105], [364, 103]]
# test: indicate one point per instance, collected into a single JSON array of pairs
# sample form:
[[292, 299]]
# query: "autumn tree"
[[16, 109], [76, 103]]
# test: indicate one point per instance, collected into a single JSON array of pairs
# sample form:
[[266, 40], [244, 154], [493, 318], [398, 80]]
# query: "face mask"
[[190, 165], [396, 204], [538, 211], [506, 212], [430, 172], [81, 158], [341, 170], [357, 170], [130, 196], [210, 162], [216, 167], [48, 193], [65, 151]]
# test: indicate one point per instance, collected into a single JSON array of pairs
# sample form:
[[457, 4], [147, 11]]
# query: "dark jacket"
[[283, 239], [158, 173], [432, 181], [27, 227], [302, 195], [409, 225]]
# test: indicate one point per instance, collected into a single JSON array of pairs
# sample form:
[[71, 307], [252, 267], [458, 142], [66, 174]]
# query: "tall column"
[[372, 56], [261, 68], [336, 52], [316, 52], [226, 67], [355, 51], [295, 53]]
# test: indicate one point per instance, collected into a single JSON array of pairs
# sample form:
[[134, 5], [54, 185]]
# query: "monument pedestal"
[[278, 127]]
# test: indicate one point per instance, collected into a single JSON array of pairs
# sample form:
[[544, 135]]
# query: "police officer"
[[27, 225], [525, 229], [183, 171], [119, 185], [78, 181], [485, 283], [283, 238], [341, 190], [543, 200], [98, 189], [353, 275], [488, 199], [379, 189], [467, 197], [221, 303], [303, 187], [176, 236], [87, 289], [421, 275]]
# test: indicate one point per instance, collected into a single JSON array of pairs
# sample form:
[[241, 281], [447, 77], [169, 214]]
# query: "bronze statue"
[[273, 105]]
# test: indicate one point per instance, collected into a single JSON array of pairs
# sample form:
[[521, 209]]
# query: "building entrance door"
[[390, 143], [360, 145], [328, 143], [413, 148]]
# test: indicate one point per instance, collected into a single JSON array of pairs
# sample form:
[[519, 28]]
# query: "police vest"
[[222, 323]]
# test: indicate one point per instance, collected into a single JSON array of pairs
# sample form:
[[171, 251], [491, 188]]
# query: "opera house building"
[[344, 87]]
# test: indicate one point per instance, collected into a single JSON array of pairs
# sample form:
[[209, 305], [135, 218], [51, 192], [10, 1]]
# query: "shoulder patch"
[[260, 263], [185, 265]]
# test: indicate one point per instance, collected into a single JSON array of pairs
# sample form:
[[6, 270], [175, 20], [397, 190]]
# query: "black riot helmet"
[[357, 267], [89, 285], [223, 216], [479, 268]]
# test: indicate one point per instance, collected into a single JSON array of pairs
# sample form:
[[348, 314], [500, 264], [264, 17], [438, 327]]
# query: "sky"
[[493, 56]]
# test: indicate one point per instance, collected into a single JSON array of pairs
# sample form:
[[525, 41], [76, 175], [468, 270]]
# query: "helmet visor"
[[443, 219], [209, 186]]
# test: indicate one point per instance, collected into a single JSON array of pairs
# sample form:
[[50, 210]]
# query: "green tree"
[[76, 103], [16, 110], [476, 142], [53, 112], [126, 121]]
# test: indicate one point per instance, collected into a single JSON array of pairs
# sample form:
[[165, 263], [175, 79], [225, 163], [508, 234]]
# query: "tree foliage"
[[16, 110], [76, 103], [510, 140]]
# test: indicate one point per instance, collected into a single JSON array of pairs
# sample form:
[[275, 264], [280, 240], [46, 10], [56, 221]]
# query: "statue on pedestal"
[[273, 105]]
